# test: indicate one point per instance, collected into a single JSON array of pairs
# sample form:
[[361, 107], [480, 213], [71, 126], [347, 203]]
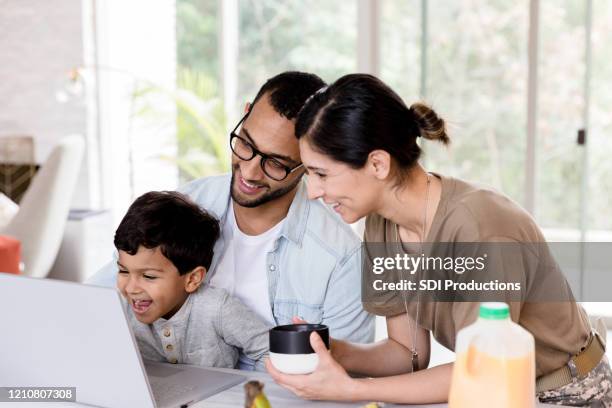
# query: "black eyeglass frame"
[[257, 152]]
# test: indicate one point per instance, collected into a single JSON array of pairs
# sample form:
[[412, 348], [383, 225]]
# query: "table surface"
[[278, 397]]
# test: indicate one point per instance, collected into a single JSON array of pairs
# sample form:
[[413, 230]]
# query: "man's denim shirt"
[[314, 268]]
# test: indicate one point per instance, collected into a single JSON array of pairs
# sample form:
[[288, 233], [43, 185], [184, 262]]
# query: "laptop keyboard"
[[163, 392]]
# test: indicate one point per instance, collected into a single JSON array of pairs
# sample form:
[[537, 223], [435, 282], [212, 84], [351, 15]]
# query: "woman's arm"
[[387, 357], [331, 382], [428, 386]]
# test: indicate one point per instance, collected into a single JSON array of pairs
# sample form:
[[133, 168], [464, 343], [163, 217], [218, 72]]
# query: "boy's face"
[[152, 285]]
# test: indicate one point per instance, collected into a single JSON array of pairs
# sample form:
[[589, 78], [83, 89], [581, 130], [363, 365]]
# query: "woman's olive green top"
[[469, 213]]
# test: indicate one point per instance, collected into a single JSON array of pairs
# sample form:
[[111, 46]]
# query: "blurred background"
[[152, 89]]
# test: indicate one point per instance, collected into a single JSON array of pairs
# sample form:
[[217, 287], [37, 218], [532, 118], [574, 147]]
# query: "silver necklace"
[[414, 349]]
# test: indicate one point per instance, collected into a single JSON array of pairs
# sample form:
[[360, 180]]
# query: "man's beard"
[[264, 198]]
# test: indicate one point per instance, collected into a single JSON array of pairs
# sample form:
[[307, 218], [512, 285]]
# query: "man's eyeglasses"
[[244, 150]]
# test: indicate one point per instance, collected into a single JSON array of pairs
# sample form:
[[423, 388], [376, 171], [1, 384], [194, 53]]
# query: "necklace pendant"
[[415, 361]]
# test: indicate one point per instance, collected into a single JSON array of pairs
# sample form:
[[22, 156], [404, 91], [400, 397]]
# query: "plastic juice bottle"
[[495, 364]]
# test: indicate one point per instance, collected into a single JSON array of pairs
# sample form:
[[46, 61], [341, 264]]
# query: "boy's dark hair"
[[184, 232], [289, 90]]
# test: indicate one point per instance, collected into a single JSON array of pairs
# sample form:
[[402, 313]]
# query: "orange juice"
[[495, 365]]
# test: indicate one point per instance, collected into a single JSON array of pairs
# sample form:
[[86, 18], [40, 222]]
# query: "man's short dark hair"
[[184, 232], [288, 91]]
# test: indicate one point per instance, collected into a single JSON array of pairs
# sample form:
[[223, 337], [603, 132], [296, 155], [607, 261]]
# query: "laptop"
[[65, 334]]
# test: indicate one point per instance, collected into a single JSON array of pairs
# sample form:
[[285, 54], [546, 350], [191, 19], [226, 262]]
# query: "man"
[[283, 255]]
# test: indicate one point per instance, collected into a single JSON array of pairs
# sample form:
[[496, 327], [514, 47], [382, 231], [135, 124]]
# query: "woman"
[[358, 142]]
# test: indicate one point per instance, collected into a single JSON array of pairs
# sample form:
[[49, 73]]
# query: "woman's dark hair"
[[358, 114], [184, 232]]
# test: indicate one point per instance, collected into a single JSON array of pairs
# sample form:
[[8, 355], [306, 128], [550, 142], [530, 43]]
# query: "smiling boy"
[[165, 245]]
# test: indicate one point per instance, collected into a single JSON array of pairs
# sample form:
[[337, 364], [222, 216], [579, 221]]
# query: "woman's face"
[[351, 193]]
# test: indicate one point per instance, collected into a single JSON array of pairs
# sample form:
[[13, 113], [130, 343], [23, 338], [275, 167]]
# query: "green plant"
[[199, 118]]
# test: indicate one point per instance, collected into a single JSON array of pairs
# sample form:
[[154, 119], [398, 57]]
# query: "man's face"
[[274, 135], [151, 284]]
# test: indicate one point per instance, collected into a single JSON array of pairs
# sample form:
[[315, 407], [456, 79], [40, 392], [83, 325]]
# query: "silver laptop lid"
[[64, 334]]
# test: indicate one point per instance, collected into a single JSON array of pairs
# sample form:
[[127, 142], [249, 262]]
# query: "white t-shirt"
[[242, 269]]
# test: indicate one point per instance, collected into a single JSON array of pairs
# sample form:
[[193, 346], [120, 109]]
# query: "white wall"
[[39, 42]]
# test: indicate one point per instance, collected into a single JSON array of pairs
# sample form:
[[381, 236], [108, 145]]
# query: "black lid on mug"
[[295, 338]]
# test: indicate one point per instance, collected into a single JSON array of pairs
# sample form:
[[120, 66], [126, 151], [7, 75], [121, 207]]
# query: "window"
[[561, 102], [400, 47], [274, 36], [278, 35], [600, 132], [475, 77]]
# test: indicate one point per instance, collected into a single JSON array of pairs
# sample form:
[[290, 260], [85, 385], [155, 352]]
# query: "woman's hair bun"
[[431, 126]]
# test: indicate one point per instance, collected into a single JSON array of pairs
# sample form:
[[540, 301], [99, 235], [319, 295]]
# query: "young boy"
[[165, 244]]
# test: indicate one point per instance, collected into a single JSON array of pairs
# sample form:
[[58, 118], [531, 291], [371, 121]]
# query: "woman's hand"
[[334, 345], [329, 381]]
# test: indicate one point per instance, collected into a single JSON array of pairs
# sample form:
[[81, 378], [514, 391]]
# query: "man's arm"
[[342, 308]]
